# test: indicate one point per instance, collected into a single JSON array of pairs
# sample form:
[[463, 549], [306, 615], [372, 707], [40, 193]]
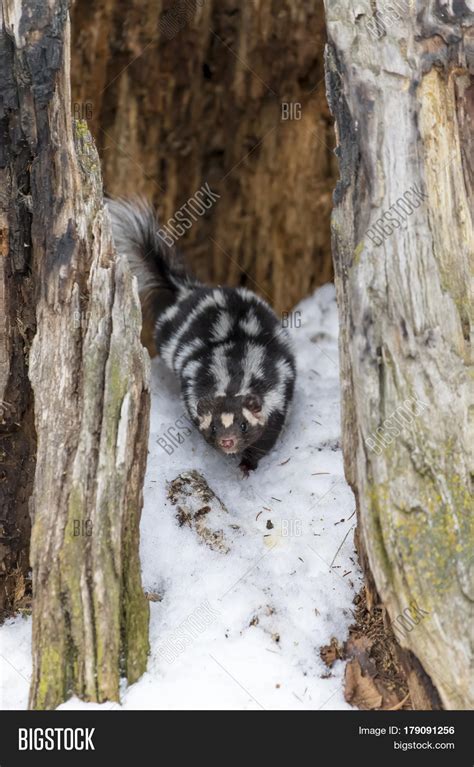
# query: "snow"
[[242, 630], [15, 663]]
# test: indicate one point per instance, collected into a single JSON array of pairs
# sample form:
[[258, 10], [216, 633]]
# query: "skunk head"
[[231, 423]]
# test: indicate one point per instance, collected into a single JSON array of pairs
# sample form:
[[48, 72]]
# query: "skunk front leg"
[[252, 454]]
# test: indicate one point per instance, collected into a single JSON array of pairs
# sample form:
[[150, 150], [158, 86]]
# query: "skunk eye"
[[243, 426], [213, 429]]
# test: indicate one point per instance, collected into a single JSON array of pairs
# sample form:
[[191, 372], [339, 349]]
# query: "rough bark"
[[89, 376], [206, 106], [17, 323], [404, 105]]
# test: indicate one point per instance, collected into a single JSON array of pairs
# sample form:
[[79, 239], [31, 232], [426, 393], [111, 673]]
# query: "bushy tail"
[[159, 271]]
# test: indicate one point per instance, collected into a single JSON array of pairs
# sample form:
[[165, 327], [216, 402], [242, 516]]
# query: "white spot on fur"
[[205, 421], [227, 419], [251, 325], [252, 418], [219, 298]]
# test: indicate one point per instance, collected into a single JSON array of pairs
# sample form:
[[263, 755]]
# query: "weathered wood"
[[200, 509], [174, 107], [89, 375], [17, 324], [403, 97]]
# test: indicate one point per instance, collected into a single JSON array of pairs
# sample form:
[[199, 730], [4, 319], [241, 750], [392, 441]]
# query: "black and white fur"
[[226, 346]]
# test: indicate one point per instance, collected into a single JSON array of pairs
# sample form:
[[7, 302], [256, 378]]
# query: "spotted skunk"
[[226, 346]]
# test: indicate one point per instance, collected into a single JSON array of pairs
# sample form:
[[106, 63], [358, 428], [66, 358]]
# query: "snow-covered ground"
[[242, 630]]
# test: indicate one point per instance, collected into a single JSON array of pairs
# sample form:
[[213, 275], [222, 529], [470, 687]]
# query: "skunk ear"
[[253, 403], [204, 406]]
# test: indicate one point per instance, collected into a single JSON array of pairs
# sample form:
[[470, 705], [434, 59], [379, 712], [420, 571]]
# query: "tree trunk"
[[173, 108], [400, 87], [89, 375], [17, 324]]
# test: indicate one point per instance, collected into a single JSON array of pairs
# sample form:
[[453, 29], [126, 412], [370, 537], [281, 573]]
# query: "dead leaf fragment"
[[332, 652], [360, 690]]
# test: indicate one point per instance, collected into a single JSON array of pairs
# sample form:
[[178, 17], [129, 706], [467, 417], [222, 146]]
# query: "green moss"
[[51, 689], [377, 497], [429, 534], [136, 609], [357, 253], [87, 157], [81, 129], [136, 621]]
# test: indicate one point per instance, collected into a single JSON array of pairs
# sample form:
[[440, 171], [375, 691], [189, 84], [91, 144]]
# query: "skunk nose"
[[227, 443]]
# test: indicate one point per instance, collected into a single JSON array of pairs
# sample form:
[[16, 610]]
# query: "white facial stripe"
[[252, 418], [227, 419], [205, 421]]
